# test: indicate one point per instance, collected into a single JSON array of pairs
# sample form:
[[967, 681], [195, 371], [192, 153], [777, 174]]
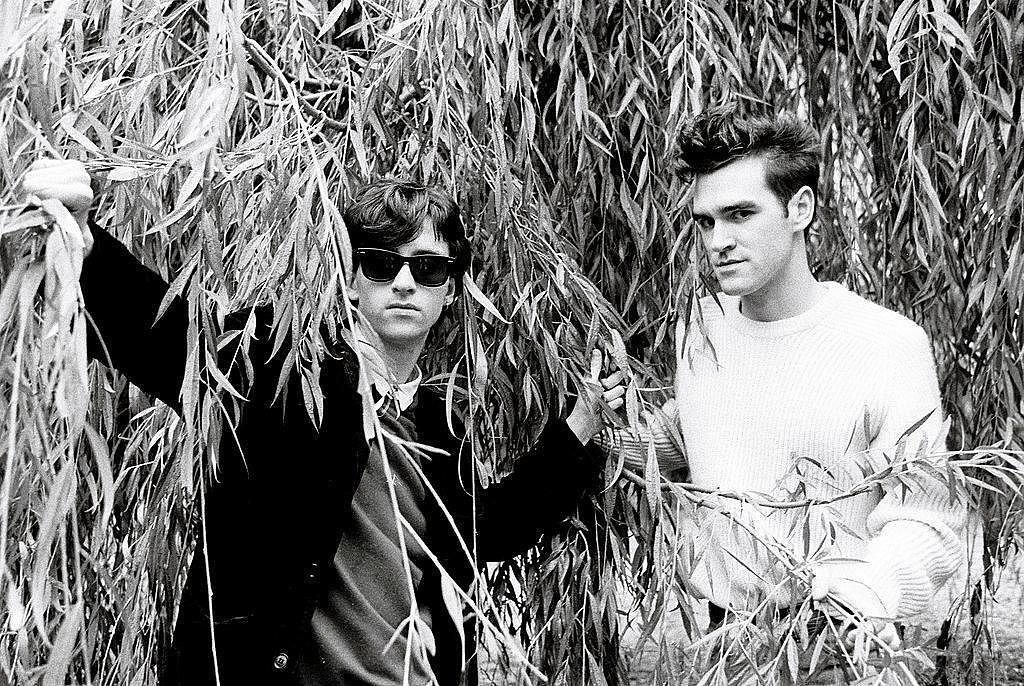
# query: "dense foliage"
[[227, 136]]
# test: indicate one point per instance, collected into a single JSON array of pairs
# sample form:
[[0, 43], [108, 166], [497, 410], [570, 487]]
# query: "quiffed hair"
[[389, 213], [790, 148]]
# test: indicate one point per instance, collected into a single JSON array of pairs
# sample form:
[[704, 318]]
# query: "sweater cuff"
[[903, 567], [865, 585], [913, 557]]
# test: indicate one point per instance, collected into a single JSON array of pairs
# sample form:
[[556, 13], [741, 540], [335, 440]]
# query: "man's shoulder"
[[865, 320]]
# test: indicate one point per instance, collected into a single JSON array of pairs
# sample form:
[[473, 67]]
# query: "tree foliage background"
[[228, 134]]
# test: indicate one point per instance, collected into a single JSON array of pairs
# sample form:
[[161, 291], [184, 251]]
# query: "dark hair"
[[389, 213], [790, 148]]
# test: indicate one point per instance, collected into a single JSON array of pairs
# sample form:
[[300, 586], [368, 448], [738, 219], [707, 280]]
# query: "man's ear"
[[350, 288], [801, 208]]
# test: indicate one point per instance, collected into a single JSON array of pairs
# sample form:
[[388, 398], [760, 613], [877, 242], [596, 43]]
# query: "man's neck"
[[793, 295], [401, 360]]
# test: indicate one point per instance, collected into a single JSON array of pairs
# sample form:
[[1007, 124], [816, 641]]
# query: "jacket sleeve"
[[122, 298], [544, 488]]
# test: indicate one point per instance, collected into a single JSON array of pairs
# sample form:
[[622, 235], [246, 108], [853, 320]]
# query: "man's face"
[[750, 236], [402, 311]]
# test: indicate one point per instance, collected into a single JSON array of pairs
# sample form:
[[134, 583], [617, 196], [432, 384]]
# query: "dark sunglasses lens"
[[429, 270], [378, 266]]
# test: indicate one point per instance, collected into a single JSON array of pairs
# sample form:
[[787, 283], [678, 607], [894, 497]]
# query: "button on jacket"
[[275, 513]]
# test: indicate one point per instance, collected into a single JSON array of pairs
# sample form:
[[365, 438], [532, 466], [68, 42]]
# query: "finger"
[[861, 644], [820, 583], [613, 379], [889, 636], [59, 171], [71, 170], [595, 365], [614, 393], [51, 187], [43, 179], [44, 162], [75, 197], [616, 404]]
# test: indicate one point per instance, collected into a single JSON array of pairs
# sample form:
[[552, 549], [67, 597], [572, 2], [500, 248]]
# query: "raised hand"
[[873, 629], [65, 181], [596, 390]]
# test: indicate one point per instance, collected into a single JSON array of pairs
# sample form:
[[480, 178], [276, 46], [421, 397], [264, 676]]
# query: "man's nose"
[[403, 279], [719, 239]]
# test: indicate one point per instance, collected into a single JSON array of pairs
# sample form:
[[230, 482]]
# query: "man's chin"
[[402, 336], [735, 289]]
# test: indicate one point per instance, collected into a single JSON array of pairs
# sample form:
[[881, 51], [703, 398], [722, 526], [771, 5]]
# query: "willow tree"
[[226, 136]]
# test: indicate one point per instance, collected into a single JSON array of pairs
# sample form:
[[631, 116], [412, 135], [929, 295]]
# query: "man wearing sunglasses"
[[309, 580], [383, 265]]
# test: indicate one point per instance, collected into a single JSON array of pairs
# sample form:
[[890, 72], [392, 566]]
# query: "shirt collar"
[[384, 383]]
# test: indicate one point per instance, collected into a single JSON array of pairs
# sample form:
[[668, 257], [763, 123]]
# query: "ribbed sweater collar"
[[829, 295]]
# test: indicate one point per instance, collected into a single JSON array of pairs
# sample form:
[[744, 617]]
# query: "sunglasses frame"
[[361, 254]]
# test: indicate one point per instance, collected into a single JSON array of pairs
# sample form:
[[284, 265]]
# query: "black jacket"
[[274, 516]]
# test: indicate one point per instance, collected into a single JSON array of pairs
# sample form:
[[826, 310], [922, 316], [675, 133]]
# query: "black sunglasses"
[[384, 265]]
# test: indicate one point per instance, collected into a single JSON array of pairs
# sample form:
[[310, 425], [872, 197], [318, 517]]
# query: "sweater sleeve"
[[661, 429], [915, 541]]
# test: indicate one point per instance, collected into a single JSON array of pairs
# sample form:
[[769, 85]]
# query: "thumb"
[[83, 223], [821, 583]]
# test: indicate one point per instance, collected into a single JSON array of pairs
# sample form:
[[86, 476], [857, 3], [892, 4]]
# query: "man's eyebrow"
[[428, 252], [726, 209], [742, 205]]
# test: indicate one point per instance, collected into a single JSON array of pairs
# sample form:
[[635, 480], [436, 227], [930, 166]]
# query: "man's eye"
[[741, 215], [705, 224]]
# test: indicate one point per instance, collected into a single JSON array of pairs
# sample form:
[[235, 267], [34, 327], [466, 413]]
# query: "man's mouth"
[[728, 263], [403, 306]]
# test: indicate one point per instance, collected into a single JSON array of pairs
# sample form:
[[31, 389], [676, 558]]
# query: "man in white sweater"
[[788, 376]]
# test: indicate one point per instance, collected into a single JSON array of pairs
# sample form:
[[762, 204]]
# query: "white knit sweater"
[[831, 393]]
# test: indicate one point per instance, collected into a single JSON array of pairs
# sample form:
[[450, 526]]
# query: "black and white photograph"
[[511, 342]]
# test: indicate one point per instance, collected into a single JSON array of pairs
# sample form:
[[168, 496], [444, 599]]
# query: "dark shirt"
[[367, 590]]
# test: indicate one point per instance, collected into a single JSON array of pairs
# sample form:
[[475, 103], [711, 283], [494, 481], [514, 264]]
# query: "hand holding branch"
[[596, 391], [861, 602], [67, 182]]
